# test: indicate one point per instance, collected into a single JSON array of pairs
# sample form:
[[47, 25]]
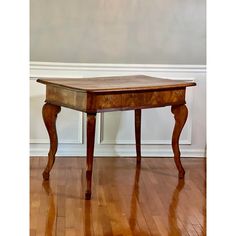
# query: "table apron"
[[138, 100], [92, 102], [66, 98]]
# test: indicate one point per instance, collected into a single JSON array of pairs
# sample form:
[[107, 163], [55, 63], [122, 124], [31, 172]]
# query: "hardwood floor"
[[125, 200]]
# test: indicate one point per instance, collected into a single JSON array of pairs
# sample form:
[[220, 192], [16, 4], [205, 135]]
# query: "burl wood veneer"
[[101, 94]]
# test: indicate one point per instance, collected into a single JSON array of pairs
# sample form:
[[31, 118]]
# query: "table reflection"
[[134, 199], [173, 228], [87, 217], [172, 218], [51, 208]]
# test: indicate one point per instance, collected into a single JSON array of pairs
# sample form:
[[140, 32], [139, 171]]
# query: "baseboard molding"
[[116, 151]]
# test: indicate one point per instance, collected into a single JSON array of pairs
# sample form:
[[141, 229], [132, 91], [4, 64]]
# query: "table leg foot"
[[50, 112], [138, 135], [91, 123], [180, 114]]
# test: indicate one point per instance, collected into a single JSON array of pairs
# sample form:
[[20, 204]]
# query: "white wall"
[[115, 130]]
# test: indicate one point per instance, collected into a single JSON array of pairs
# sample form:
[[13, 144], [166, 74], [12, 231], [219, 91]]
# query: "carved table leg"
[[180, 114], [49, 116], [138, 134], [91, 122]]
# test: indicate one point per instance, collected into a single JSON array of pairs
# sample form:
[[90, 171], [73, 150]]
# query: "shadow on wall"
[[118, 129]]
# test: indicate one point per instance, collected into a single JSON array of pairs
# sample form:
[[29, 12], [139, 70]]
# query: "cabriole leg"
[[49, 116], [180, 114]]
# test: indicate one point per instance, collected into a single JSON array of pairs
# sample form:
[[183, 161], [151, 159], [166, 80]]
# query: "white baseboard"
[[121, 150]]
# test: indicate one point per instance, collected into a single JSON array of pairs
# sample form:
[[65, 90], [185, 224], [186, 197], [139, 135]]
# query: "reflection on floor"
[[126, 200]]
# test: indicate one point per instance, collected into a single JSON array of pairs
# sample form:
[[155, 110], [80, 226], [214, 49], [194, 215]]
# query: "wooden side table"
[[103, 94]]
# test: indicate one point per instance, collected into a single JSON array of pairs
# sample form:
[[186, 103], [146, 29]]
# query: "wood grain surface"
[[117, 83], [115, 93], [92, 95], [49, 113], [126, 200]]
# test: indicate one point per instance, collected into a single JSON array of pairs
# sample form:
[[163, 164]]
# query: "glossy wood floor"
[[125, 201]]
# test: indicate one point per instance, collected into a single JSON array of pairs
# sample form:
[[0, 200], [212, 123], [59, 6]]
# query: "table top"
[[117, 83]]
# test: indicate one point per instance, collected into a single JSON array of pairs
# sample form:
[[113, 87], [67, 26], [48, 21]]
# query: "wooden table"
[[101, 94]]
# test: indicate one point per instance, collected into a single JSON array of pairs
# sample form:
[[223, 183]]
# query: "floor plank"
[[126, 200]]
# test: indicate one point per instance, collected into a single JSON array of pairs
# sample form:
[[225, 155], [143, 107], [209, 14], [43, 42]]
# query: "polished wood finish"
[[92, 95], [113, 84], [66, 98], [127, 199], [50, 112], [138, 134], [91, 123], [115, 93], [180, 114], [136, 100]]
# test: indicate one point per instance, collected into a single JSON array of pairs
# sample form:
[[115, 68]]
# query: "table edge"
[[186, 83]]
